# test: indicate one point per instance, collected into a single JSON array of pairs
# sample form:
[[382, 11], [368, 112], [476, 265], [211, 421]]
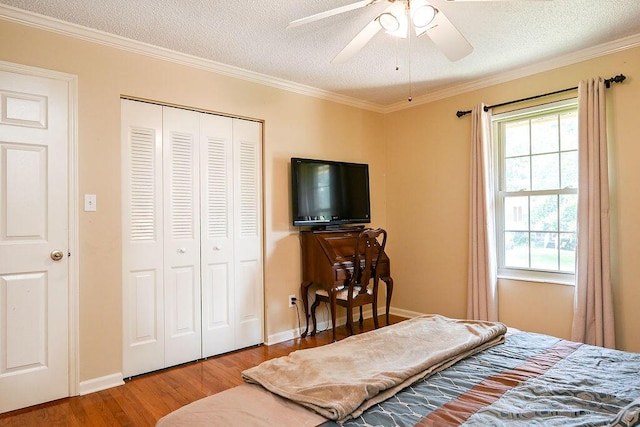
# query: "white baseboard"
[[101, 383], [295, 333], [405, 313], [326, 324], [282, 336]]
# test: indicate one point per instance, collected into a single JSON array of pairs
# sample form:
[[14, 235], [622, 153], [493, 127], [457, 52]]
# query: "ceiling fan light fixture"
[[389, 22], [423, 16]]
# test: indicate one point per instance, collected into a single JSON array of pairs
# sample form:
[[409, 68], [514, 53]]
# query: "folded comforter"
[[341, 380]]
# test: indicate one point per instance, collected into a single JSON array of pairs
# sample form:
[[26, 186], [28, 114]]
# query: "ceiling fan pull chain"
[[410, 85]]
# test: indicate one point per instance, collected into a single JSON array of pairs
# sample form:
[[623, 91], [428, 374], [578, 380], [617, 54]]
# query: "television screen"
[[328, 193]]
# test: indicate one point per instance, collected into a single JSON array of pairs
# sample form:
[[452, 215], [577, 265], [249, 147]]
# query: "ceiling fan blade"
[[331, 12], [358, 42], [447, 37]]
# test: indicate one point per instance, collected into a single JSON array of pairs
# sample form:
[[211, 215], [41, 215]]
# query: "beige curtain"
[[482, 281], [593, 305]]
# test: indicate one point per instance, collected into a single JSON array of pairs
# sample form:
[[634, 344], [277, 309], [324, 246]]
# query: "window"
[[537, 192]]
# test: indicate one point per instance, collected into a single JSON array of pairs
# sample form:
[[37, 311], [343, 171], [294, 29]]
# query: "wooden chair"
[[362, 286]]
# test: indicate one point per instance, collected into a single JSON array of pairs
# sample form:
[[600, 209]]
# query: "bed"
[[433, 371]]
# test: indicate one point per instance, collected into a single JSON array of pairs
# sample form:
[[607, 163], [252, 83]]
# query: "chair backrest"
[[369, 247]]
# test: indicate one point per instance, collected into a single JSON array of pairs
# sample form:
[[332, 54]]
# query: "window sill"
[[552, 281]]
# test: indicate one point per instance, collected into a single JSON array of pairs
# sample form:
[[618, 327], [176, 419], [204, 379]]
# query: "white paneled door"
[[34, 240]]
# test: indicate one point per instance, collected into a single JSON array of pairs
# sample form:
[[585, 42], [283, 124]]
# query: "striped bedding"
[[529, 380]]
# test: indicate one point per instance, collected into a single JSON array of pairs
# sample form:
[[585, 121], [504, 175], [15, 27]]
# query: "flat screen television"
[[329, 193]]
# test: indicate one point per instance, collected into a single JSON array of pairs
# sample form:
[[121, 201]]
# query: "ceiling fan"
[[400, 17]]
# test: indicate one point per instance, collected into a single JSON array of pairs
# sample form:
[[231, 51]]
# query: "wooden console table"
[[327, 260]]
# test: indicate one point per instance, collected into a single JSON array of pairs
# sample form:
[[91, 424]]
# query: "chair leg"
[[374, 306], [315, 305], [389, 282], [350, 320], [332, 307], [375, 314], [361, 317]]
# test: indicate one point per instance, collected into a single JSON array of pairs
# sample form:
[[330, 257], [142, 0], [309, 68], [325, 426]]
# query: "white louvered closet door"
[[192, 235], [142, 238], [232, 280], [181, 141], [248, 284], [216, 165]]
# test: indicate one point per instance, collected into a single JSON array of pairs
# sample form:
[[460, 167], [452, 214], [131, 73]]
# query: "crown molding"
[[96, 36], [539, 67], [47, 23]]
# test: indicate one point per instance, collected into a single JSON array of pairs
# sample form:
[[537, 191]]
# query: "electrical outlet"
[[90, 202], [292, 300]]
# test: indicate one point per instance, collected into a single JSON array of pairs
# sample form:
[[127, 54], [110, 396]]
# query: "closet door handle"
[[217, 248], [182, 250]]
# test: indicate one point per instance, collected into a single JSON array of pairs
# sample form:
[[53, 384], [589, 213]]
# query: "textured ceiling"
[[252, 35]]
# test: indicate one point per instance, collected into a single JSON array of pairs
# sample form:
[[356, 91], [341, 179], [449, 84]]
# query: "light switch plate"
[[90, 201]]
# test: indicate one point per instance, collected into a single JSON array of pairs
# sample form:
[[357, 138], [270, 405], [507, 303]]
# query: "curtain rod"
[[617, 79]]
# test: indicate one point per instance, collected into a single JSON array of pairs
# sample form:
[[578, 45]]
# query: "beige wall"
[[427, 199], [294, 125], [537, 307], [419, 181]]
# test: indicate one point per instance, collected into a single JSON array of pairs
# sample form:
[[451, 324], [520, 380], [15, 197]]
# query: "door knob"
[[56, 255]]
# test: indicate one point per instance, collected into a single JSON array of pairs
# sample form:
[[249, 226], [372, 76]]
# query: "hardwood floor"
[[143, 400]]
